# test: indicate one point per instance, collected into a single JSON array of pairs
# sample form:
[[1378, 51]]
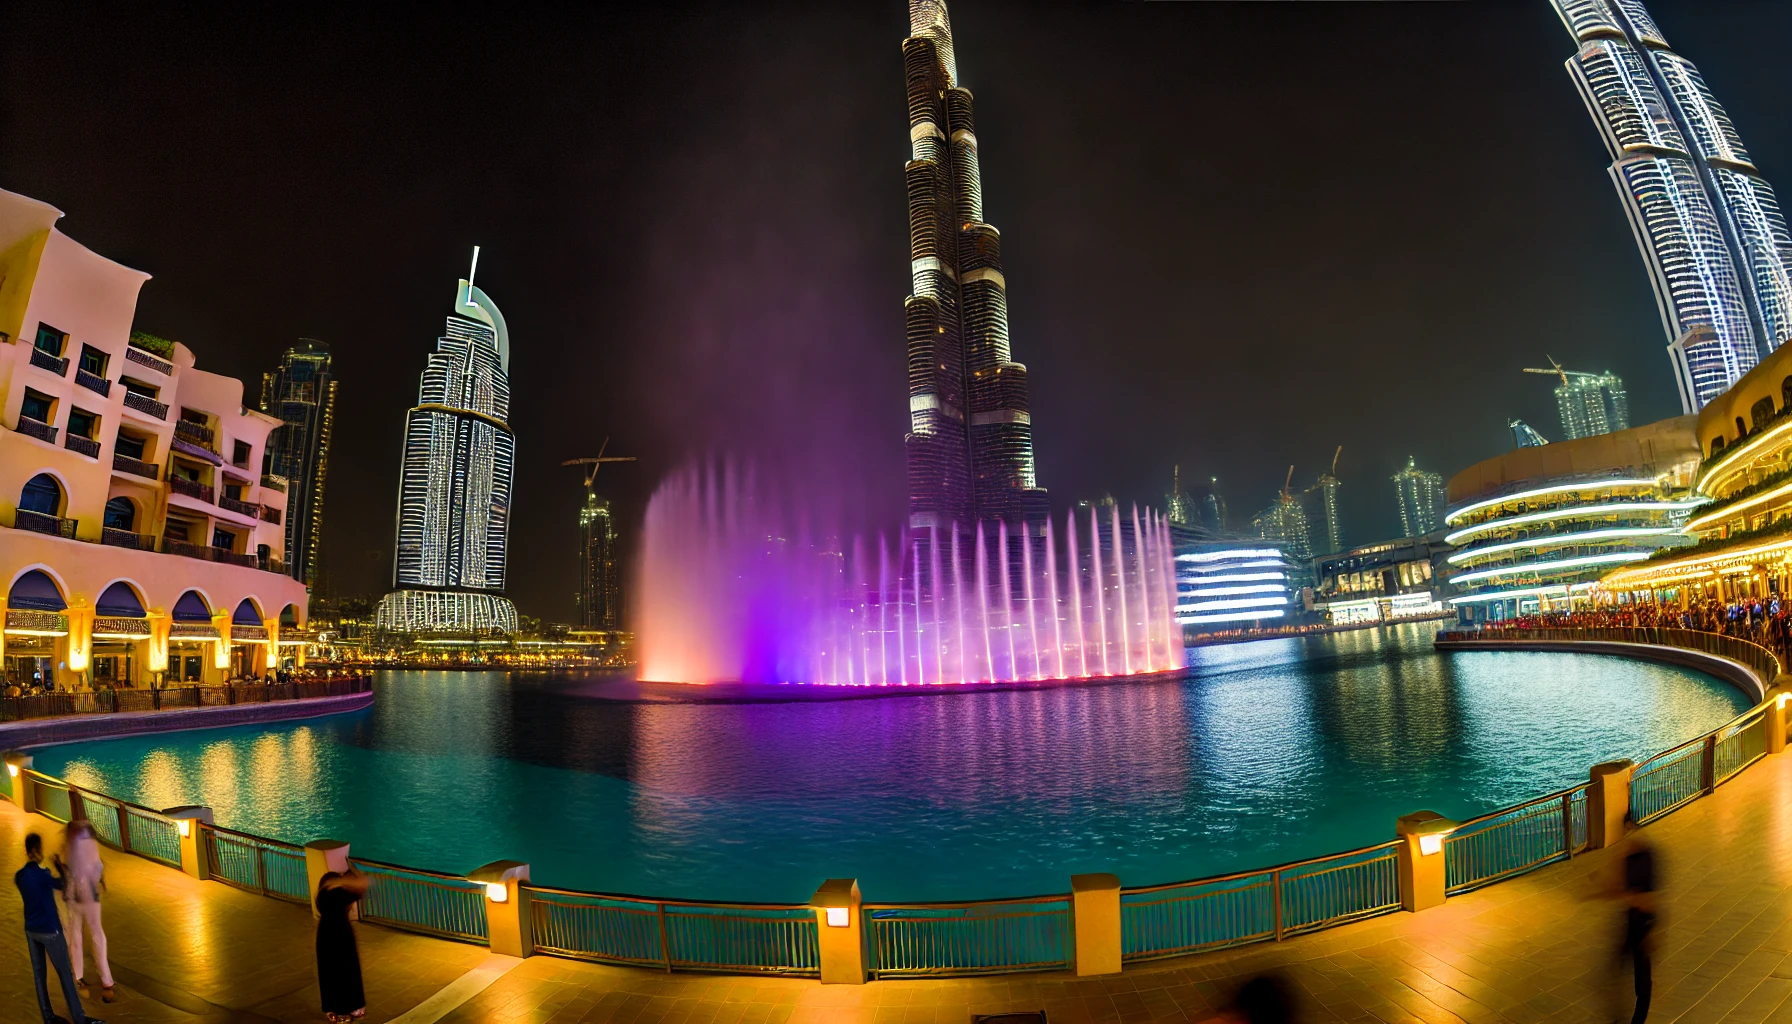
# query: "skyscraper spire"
[[970, 440]]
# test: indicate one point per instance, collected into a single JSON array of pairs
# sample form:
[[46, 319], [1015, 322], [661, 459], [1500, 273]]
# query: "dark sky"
[[1235, 235]]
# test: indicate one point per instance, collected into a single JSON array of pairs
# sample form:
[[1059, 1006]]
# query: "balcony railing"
[[271, 565], [85, 445], [45, 361], [142, 358], [198, 433], [170, 546], [196, 450], [126, 464], [92, 382], [229, 557], [145, 405], [191, 488], [38, 522], [270, 515], [34, 428], [127, 539], [247, 508], [274, 483]]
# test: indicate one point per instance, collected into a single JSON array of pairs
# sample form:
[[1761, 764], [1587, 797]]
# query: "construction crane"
[[1556, 370], [1333, 472], [593, 465], [1288, 495]]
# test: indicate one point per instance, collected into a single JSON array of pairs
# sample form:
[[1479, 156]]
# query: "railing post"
[[192, 853], [1775, 723], [1708, 765], [1095, 919], [323, 856], [16, 765], [1422, 877], [665, 942], [1608, 803], [124, 826], [840, 931], [1568, 824], [1275, 880], [508, 929]]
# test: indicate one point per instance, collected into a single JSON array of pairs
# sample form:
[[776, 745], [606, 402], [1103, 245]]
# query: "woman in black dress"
[[338, 962]]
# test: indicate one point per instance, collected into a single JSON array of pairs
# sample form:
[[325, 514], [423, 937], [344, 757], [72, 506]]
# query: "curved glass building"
[[970, 439], [1709, 226], [455, 484]]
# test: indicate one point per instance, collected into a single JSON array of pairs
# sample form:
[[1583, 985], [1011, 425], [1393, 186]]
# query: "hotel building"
[[1420, 496], [141, 542], [302, 394], [1535, 528]]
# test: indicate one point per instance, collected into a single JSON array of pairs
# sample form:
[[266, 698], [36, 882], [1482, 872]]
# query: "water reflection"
[[1270, 752]]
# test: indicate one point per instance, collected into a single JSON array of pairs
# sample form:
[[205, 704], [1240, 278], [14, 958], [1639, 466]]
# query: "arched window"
[[42, 494], [119, 599], [246, 613], [37, 591], [1786, 392], [121, 514], [191, 608], [289, 616], [1760, 413], [1717, 445], [1741, 429]]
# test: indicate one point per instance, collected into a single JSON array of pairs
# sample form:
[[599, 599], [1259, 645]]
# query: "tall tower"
[[970, 439], [455, 483], [1709, 226], [1421, 498], [600, 578], [301, 391]]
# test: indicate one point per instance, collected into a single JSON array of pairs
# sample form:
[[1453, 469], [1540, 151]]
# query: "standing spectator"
[[338, 961], [85, 879], [43, 932]]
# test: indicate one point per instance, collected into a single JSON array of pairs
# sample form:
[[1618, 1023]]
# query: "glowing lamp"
[[185, 825], [839, 917], [1432, 843], [1783, 698], [13, 769], [497, 892]]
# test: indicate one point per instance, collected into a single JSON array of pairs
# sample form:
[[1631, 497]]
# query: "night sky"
[[1235, 235]]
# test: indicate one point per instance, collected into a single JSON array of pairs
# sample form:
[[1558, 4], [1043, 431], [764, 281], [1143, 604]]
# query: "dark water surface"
[[1269, 752]]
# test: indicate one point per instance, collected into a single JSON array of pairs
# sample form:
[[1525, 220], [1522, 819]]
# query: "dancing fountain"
[[731, 593]]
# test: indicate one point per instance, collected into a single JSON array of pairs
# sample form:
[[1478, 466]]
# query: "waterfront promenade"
[[1537, 948]]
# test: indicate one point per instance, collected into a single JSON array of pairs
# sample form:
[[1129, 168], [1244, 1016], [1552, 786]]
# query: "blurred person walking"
[[43, 932], [338, 960], [85, 878], [1640, 917]]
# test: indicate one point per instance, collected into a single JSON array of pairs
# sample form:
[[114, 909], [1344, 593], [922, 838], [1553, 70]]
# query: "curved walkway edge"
[[72, 728], [1728, 669]]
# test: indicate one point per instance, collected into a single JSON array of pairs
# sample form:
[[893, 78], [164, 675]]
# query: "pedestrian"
[[86, 879], [43, 932], [338, 961], [1640, 916]]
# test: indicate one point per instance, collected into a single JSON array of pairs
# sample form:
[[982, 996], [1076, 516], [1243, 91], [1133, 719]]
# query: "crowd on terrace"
[[1768, 623]]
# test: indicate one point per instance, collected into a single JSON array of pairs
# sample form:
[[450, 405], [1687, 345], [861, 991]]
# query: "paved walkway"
[[1538, 948]]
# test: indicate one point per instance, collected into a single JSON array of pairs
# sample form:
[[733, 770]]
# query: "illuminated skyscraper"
[[1591, 404], [302, 393], [1708, 224], [1213, 508], [455, 484], [970, 440], [1323, 496], [1422, 499], [1179, 508], [600, 578]]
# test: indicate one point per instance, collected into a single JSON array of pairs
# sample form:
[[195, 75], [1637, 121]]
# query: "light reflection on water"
[[1270, 752]]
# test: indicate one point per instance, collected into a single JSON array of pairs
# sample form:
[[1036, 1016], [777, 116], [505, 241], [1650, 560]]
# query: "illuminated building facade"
[[1421, 499], [1179, 508], [1284, 523], [455, 483], [1709, 226], [1323, 500], [301, 393], [1228, 585], [1213, 508], [1385, 582], [1592, 403], [600, 577], [970, 439], [1536, 528]]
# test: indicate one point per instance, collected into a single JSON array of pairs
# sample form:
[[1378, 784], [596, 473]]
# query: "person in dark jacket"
[[43, 932], [338, 961]]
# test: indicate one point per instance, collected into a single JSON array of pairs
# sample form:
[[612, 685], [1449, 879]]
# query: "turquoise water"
[[1269, 752]]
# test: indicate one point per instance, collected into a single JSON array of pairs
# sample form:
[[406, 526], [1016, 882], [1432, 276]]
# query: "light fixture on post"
[[1422, 858]]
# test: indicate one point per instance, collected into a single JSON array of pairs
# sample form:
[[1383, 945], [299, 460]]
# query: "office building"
[[600, 576], [1709, 226], [459, 461], [301, 393], [140, 543], [1179, 508], [1322, 509], [1284, 523], [1386, 582], [1420, 496], [1591, 404], [1524, 435], [970, 439]]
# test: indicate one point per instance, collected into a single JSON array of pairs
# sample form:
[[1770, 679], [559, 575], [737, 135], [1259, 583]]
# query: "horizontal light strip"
[[1237, 577], [1255, 588], [1612, 558], [1210, 556], [1736, 458], [1677, 564], [1237, 602], [1571, 511], [1719, 515], [1588, 485], [1502, 595], [1561, 539], [1232, 616]]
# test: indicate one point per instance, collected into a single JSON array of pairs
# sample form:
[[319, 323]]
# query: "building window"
[[233, 490], [137, 387], [1761, 412], [239, 455], [39, 407], [1717, 445], [42, 494], [177, 530], [129, 445], [223, 539], [83, 423], [121, 514], [193, 416], [93, 361], [51, 340]]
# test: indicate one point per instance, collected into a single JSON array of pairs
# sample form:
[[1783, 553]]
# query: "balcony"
[[198, 451], [198, 433], [85, 445], [137, 467], [229, 557], [191, 488], [274, 483], [142, 358], [271, 565], [33, 428], [145, 405], [127, 539], [45, 361], [38, 522], [170, 546], [249, 509], [270, 515], [92, 383]]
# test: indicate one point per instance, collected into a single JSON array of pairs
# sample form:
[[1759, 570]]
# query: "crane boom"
[[594, 464]]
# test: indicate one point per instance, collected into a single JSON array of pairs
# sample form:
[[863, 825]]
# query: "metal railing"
[[38, 522], [119, 824], [675, 935], [136, 467], [57, 365], [1763, 662], [145, 404], [99, 702], [127, 539], [93, 381], [142, 358], [1518, 839], [85, 445], [248, 508], [907, 940], [423, 901], [255, 864], [190, 488], [36, 428], [198, 433]]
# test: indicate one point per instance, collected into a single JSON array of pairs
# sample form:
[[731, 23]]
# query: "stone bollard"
[[323, 856], [1608, 803], [508, 928], [16, 763], [193, 858], [840, 931], [1095, 916], [1422, 878], [1776, 722]]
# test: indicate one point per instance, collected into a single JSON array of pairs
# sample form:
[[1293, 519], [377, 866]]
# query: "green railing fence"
[[675, 935], [910, 940], [1509, 842], [423, 901], [257, 865]]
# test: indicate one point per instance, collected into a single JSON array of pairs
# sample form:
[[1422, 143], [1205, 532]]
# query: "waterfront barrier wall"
[[70, 717], [1097, 927]]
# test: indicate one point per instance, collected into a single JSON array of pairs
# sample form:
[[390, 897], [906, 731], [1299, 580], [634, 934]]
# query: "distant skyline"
[[1218, 259]]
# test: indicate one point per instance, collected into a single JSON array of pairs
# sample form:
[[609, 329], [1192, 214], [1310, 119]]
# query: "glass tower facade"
[[1421, 498], [600, 577], [455, 484], [1708, 224], [302, 393], [1591, 404], [970, 439]]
